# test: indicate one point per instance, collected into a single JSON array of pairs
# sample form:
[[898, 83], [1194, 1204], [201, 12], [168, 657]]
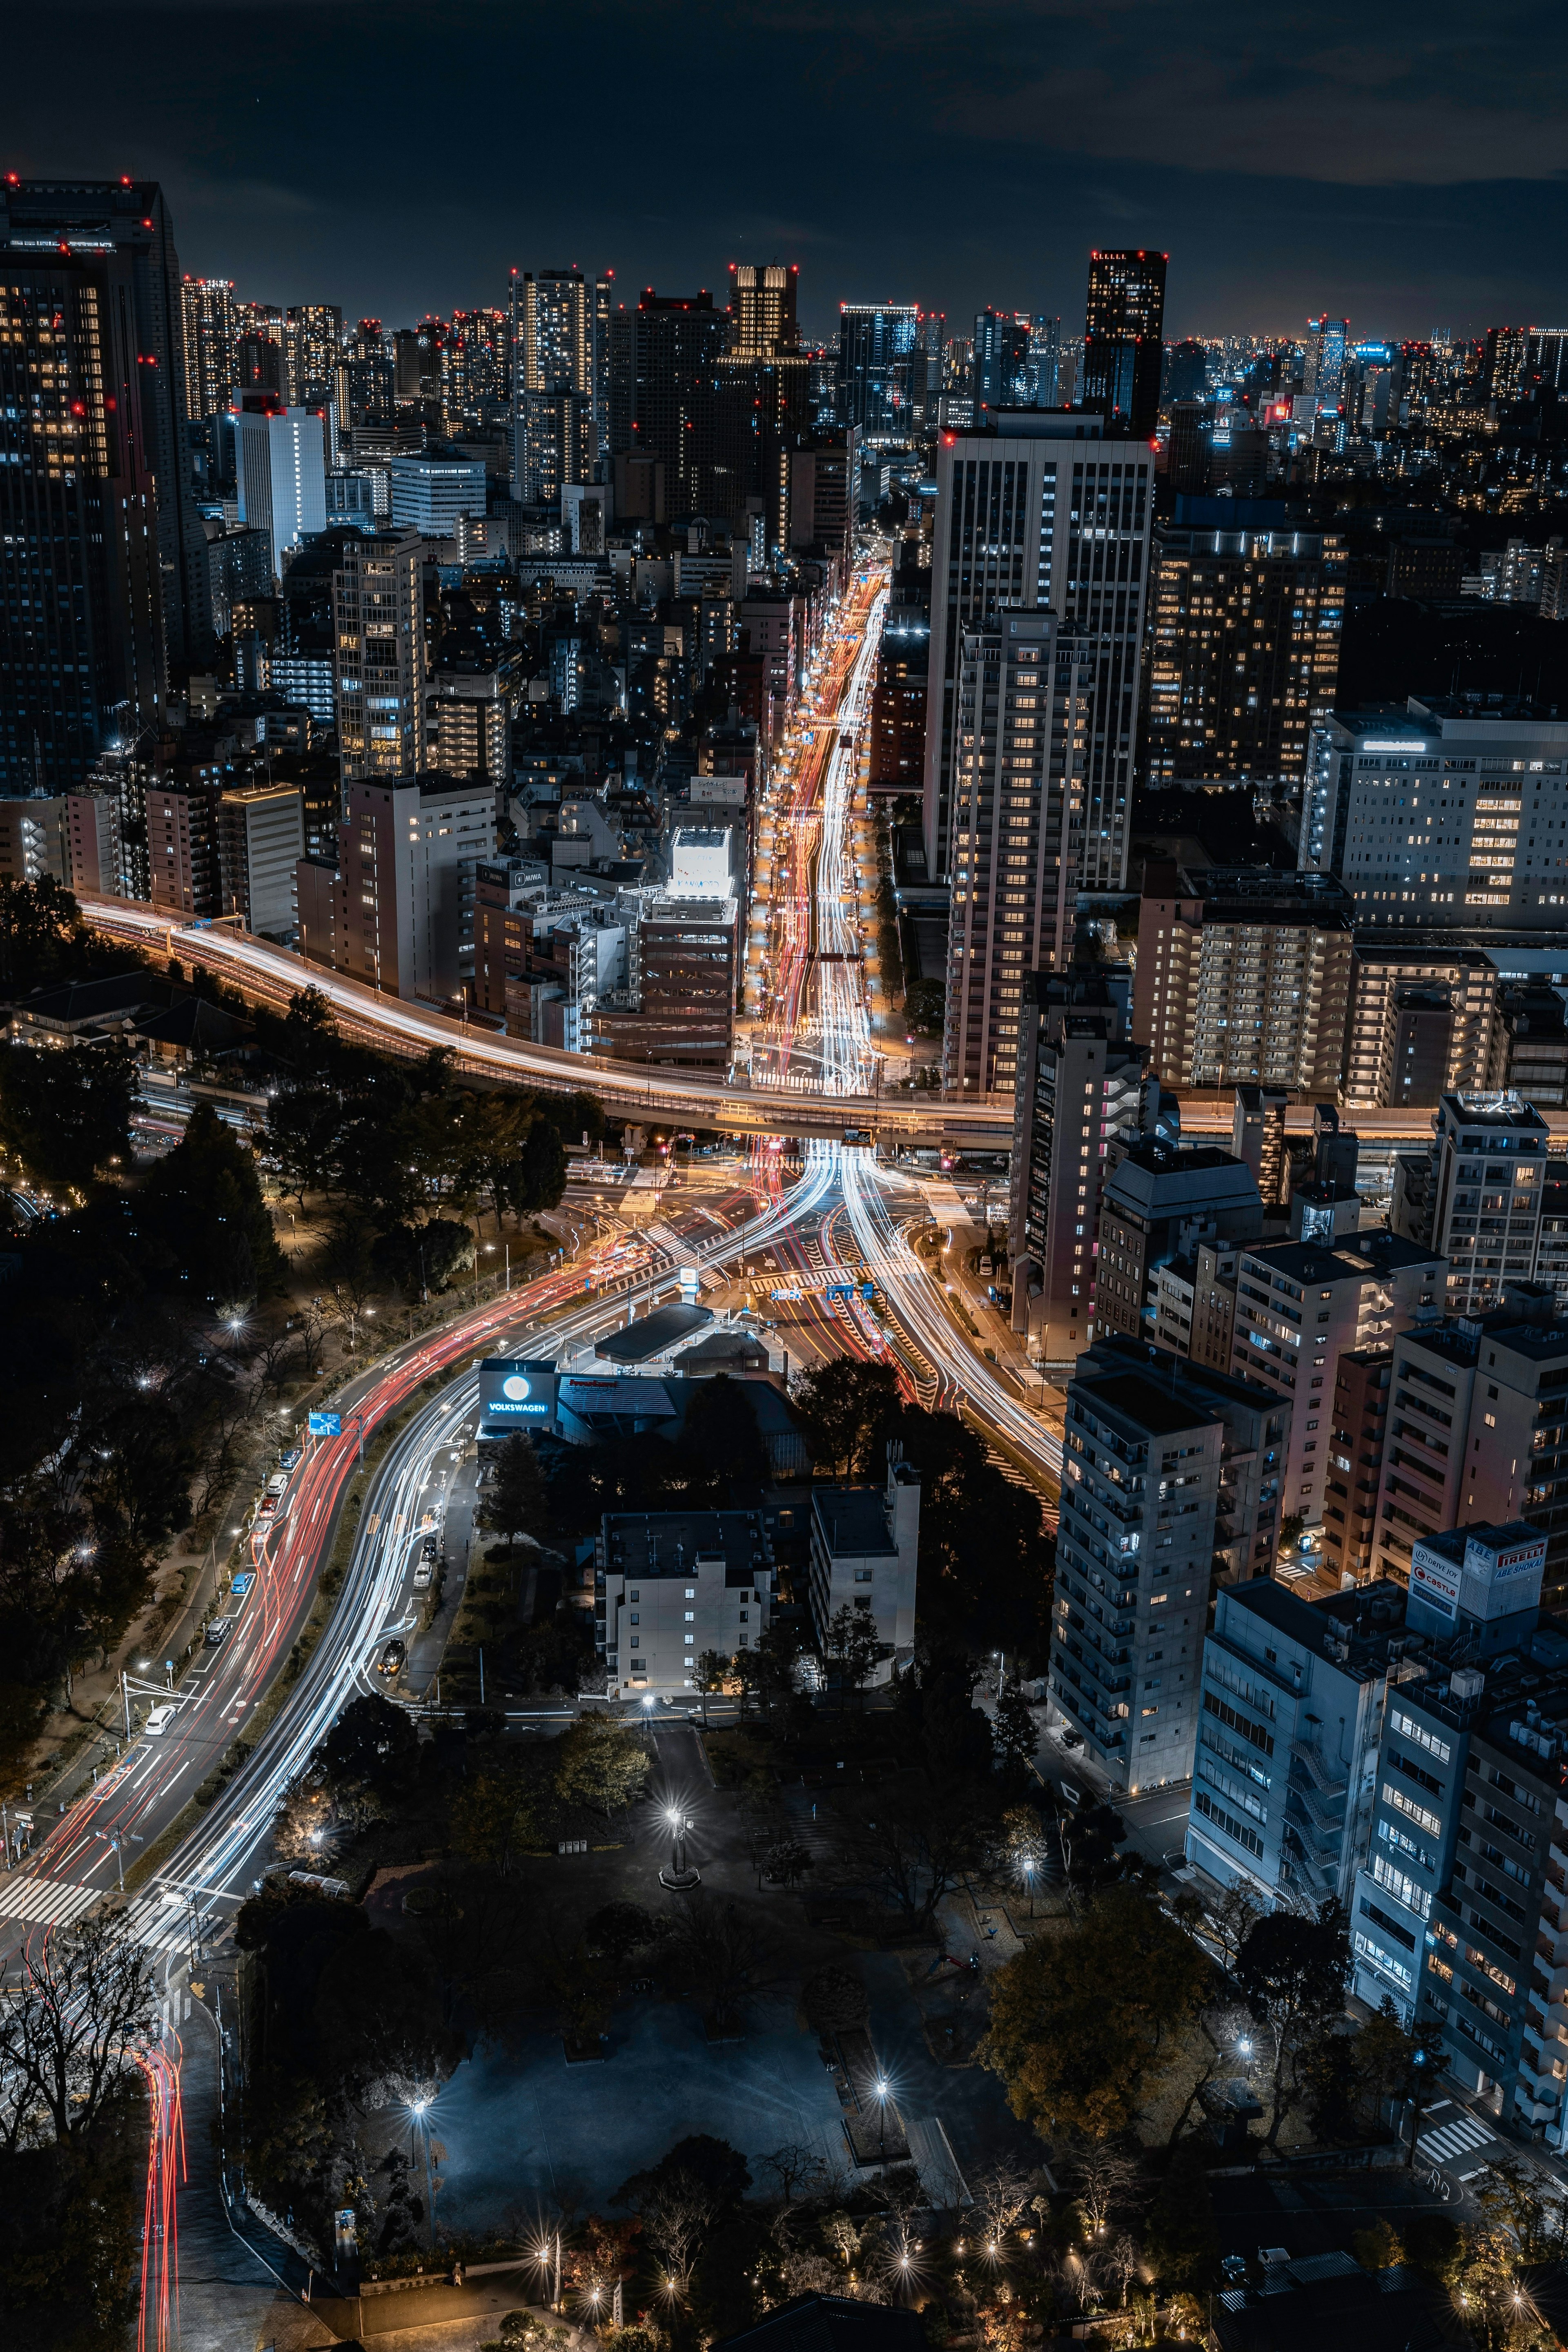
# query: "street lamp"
[[882, 2086], [680, 1877]]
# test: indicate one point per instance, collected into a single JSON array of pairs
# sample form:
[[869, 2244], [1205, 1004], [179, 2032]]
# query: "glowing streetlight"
[[680, 1877]]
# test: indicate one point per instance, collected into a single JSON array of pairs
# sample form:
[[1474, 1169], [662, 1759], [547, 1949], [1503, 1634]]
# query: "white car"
[[424, 1576], [160, 1718]]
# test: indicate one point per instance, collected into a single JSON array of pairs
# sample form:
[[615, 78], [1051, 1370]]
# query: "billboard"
[[1435, 1578], [516, 1389]]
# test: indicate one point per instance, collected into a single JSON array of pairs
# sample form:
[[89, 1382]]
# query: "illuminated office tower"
[[313, 333], [762, 309], [878, 344], [1324, 375], [1002, 373], [1124, 349]]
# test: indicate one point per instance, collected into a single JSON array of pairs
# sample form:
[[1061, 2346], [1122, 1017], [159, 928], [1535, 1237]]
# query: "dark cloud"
[[1401, 164]]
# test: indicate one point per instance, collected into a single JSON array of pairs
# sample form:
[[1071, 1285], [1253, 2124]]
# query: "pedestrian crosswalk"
[[45, 1902], [1458, 2134]]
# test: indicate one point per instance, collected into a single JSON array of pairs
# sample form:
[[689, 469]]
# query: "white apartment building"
[[865, 1551], [281, 462], [671, 1586]]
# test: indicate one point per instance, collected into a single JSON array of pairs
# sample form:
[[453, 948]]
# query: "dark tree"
[[516, 1491], [720, 1439], [63, 1116], [845, 1406]]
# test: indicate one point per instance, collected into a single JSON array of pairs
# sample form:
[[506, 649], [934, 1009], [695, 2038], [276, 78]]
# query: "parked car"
[[160, 1718], [429, 1547], [424, 1575], [267, 1505], [279, 1483], [395, 1657], [218, 1631], [288, 1457]]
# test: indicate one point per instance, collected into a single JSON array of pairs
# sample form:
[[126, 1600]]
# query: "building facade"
[[670, 1587], [378, 632]]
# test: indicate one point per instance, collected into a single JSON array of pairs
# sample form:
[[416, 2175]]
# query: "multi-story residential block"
[[1477, 1194], [1530, 1044], [1158, 1205], [1299, 1306], [1244, 977], [1358, 1432], [1419, 1024], [1289, 1717], [211, 325], [1170, 1477], [395, 908], [1042, 511], [1244, 619], [865, 1556], [1022, 719], [379, 645], [1552, 1247], [1258, 1137], [1079, 1085], [1446, 816], [669, 1586], [1215, 1264]]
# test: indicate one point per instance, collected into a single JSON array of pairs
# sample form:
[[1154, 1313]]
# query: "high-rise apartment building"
[[1244, 977], [211, 325], [1289, 1718], [1419, 1026], [1445, 815], [1123, 346], [476, 370], [1080, 1085], [1021, 722], [379, 646], [679, 1004], [261, 839], [1358, 1435], [1170, 1478], [1244, 644], [878, 347], [313, 342], [1299, 1306], [1159, 1206], [1043, 512], [280, 464], [553, 331]]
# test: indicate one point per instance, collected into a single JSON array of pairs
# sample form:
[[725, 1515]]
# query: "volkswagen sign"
[[515, 1389]]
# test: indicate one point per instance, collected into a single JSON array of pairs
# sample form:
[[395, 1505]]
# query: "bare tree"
[[1001, 2196], [69, 2035], [796, 2169], [1104, 2178], [676, 2219]]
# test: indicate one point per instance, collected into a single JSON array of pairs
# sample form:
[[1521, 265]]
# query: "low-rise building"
[[671, 1586], [1358, 1431], [865, 1551]]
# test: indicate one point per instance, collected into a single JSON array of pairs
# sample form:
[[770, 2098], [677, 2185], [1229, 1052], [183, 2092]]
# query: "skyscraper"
[[1003, 378], [82, 658], [314, 340], [117, 234], [1122, 346], [1323, 375], [1044, 511], [877, 342], [662, 360], [761, 310]]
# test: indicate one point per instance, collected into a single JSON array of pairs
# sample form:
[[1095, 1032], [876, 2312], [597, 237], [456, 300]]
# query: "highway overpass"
[[270, 974]]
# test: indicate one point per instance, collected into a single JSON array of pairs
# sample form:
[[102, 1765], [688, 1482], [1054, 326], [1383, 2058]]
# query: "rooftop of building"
[[853, 1522], [1426, 720], [1252, 890], [653, 1335], [656, 1545], [1154, 1168], [1118, 1353], [1500, 1112], [1354, 1259], [830, 2323], [1352, 1630], [1138, 1398], [86, 1000]]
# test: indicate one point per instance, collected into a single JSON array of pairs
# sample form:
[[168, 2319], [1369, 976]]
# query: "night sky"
[[1403, 166]]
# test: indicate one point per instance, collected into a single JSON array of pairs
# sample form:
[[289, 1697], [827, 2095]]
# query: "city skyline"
[[1358, 180]]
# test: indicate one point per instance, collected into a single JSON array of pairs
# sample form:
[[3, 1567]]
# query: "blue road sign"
[[326, 1425]]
